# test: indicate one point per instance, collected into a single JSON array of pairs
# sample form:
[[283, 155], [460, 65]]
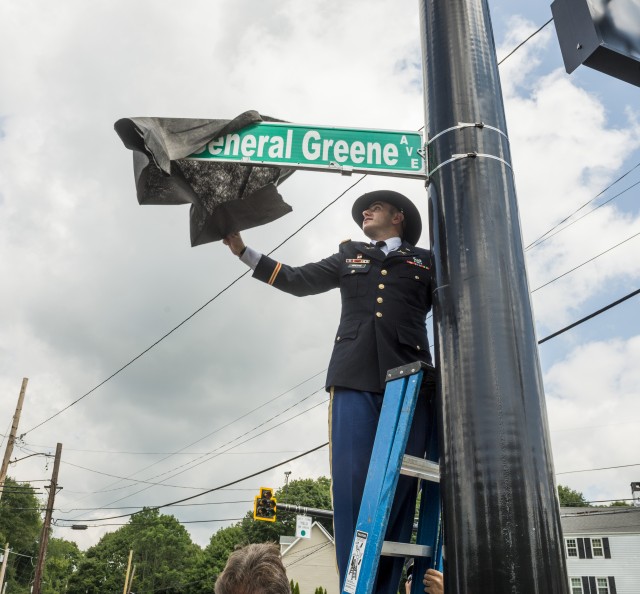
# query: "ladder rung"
[[420, 468], [403, 549]]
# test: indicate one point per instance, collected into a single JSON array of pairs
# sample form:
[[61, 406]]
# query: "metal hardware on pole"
[[500, 510], [12, 435], [46, 527]]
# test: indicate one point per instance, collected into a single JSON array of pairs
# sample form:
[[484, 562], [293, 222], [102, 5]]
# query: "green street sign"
[[346, 150]]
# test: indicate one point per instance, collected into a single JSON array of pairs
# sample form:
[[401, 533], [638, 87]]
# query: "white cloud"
[[90, 279], [565, 151], [593, 396]]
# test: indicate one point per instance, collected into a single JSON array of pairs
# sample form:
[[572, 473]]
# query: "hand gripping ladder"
[[388, 461]]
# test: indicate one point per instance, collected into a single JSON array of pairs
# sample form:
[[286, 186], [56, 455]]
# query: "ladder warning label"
[[355, 562]]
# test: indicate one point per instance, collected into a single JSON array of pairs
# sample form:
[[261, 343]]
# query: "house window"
[[576, 586], [572, 547], [596, 547], [603, 585]]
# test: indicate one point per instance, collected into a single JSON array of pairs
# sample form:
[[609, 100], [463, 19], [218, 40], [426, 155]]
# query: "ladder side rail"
[[391, 440], [430, 518]]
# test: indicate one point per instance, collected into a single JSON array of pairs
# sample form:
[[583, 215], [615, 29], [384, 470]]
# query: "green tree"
[[20, 526], [163, 553], [306, 492], [215, 556], [620, 504], [570, 498], [63, 559]]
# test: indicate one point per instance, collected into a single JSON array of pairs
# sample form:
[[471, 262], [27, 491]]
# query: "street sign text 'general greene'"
[[385, 152]]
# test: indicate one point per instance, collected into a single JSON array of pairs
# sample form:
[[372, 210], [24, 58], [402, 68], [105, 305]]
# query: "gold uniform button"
[[383, 272], [417, 346], [378, 314], [380, 286], [416, 277], [353, 272], [337, 339], [379, 299]]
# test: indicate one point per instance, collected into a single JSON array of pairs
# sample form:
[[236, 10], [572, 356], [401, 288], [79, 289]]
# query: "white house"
[[602, 546], [311, 561]]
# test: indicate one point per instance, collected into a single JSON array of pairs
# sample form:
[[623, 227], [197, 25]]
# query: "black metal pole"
[[501, 518]]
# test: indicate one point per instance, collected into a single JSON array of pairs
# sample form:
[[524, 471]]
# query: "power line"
[[145, 351], [613, 183], [513, 51], [68, 511], [586, 262], [259, 472], [203, 461], [542, 239], [218, 429], [197, 311], [176, 474], [593, 315], [595, 469], [609, 500]]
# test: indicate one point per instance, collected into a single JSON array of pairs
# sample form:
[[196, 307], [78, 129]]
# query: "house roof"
[[291, 544], [609, 520]]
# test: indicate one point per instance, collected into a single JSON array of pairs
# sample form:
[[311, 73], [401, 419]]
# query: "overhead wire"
[[249, 439], [191, 497], [550, 235], [207, 303], [197, 311], [597, 469], [586, 262], [46, 420], [514, 50], [613, 183], [590, 316], [218, 429]]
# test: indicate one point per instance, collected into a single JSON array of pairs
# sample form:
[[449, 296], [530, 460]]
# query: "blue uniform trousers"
[[353, 421]]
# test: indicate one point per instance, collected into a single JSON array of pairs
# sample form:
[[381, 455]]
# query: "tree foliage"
[[63, 559], [570, 498], [20, 526], [305, 492], [163, 554]]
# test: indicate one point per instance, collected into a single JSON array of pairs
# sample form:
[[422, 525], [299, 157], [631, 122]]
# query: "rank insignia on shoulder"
[[345, 241]]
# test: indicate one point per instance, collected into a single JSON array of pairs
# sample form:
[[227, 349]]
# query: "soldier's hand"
[[235, 243], [433, 582]]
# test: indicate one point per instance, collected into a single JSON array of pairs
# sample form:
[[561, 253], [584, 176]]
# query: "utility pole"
[[133, 575], [500, 513], [5, 560], [12, 435], [126, 577], [44, 537]]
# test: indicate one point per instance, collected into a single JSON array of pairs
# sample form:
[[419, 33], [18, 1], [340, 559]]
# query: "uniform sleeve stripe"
[[275, 273]]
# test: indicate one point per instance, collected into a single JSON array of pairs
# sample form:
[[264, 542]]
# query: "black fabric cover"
[[224, 197]]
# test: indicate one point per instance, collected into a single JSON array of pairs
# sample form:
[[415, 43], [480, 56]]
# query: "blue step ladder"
[[388, 461]]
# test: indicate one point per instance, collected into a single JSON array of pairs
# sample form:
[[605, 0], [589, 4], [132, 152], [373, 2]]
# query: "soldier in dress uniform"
[[385, 286]]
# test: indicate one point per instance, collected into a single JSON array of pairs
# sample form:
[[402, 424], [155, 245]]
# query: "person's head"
[[254, 569], [383, 214]]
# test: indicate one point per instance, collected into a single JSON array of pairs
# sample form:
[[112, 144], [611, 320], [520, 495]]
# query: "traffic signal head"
[[264, 506]]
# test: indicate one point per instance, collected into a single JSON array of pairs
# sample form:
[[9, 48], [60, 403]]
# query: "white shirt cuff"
[[251, 258]]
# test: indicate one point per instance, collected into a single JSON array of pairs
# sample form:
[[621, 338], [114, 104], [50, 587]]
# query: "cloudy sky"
[[90, 279]]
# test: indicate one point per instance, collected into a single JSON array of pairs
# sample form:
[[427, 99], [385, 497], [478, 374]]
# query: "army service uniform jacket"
[[385, 300]]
